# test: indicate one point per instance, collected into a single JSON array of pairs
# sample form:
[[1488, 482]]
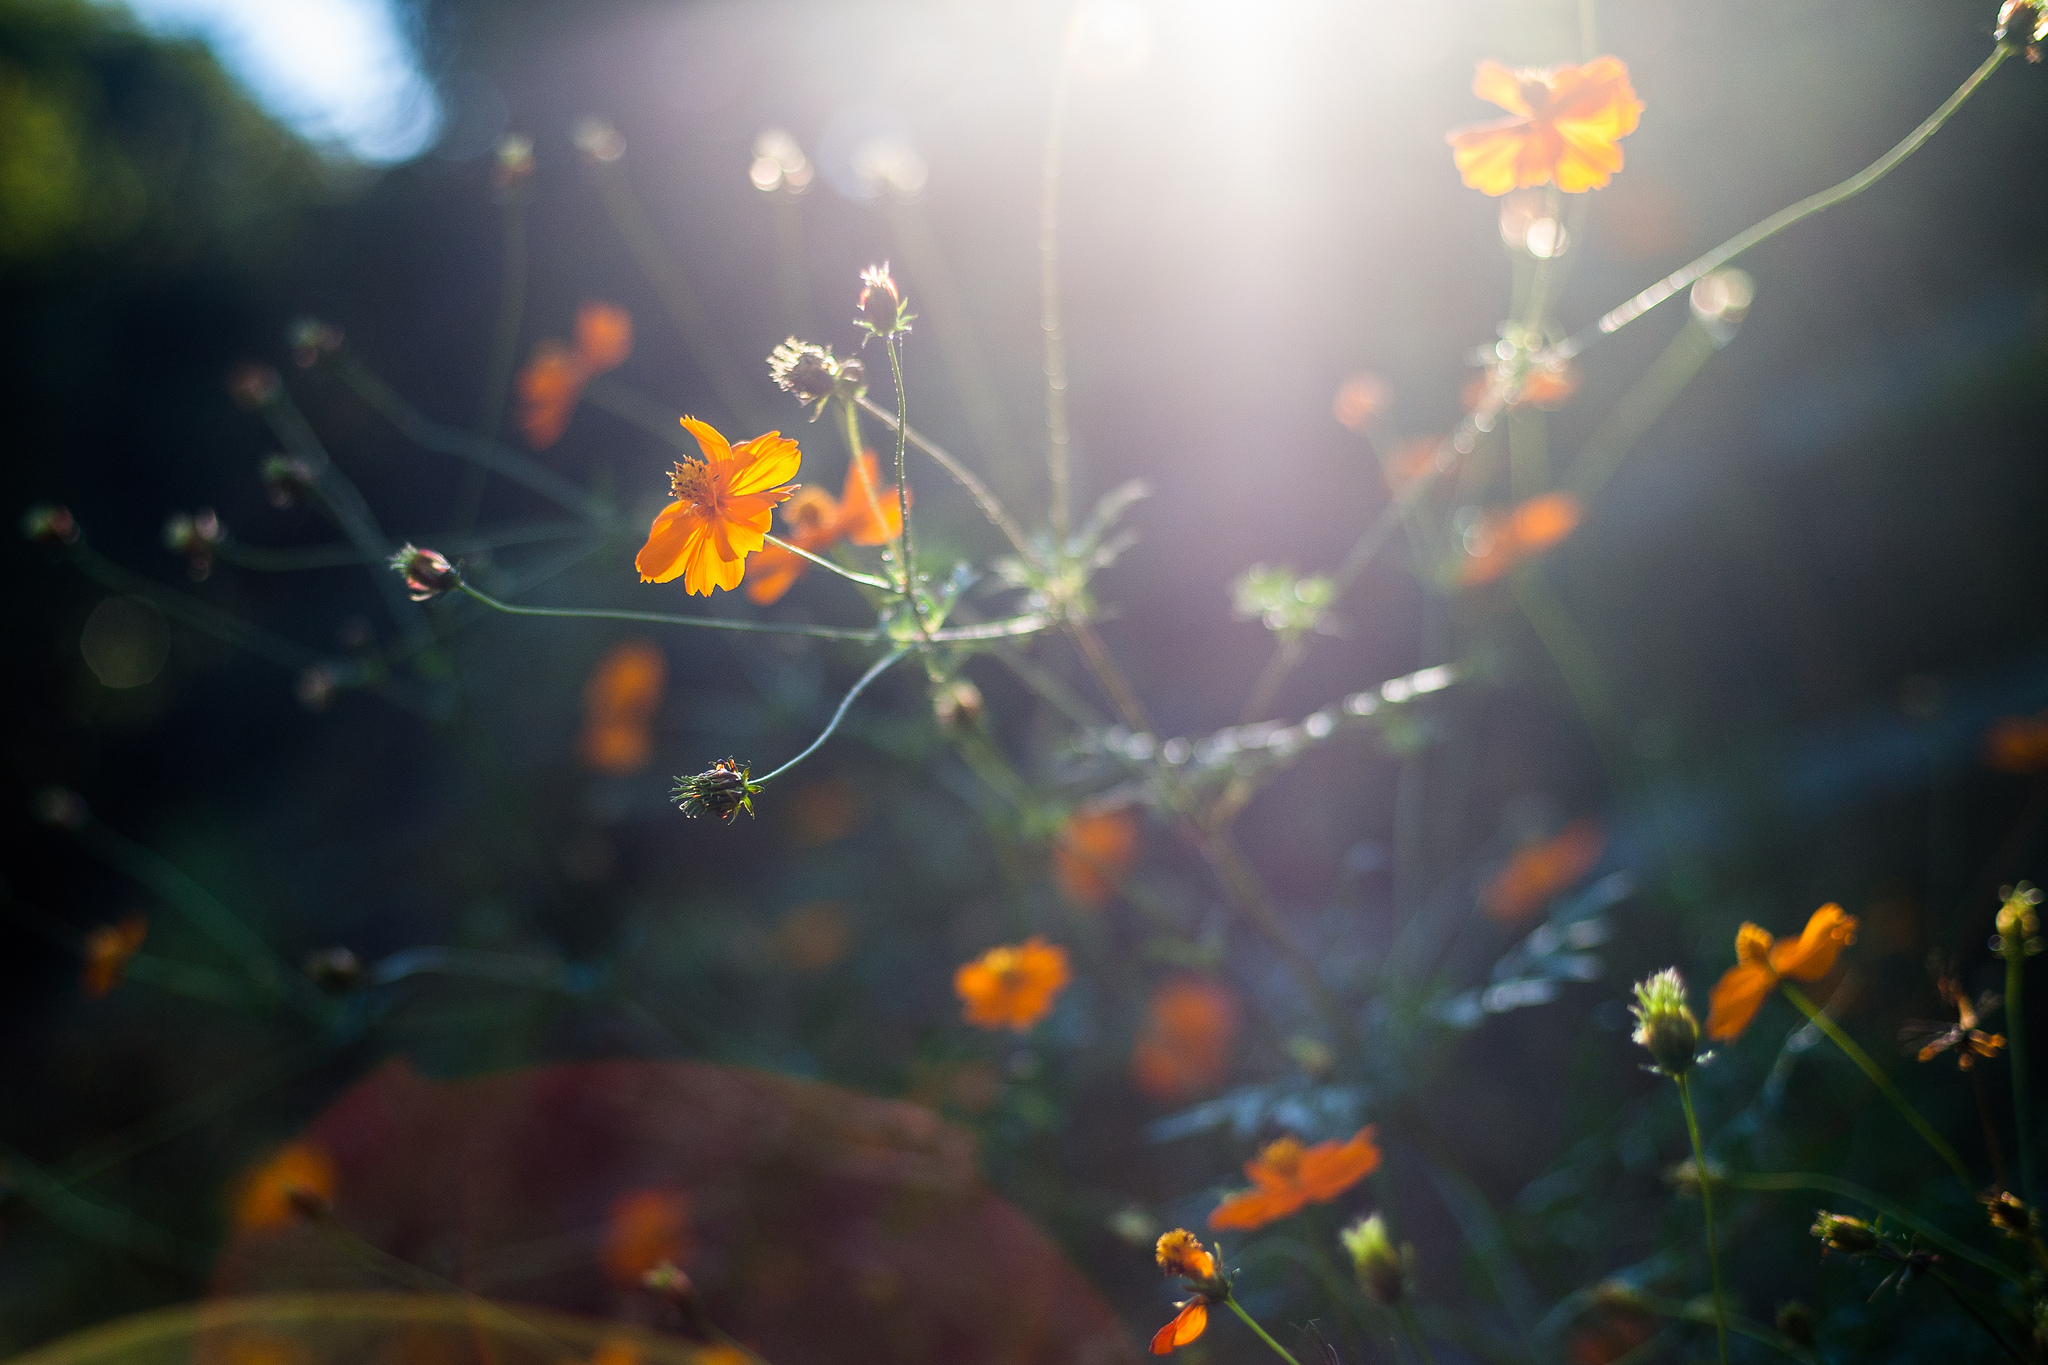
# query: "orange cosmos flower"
[[866, 513], [1762, 961], [1566, 127], [1540, 871], [107, 950], [1094, 852], [723, 506], [1012, 986], [646, 1227], [1287, 1176], [1502, 540], [1180, 1253], [552, 383], [1185, 1051], [619, 701], [278, 1193], [2018, 744]]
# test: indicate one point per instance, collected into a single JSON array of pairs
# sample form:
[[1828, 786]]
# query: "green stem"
[[1699, 1160], [1620, 317], [866, 580], [1877, 1078], [880, 667], [984, 497], [1413, 1329], [903, 489], [1250, 1322], [662, 618], [1056, 455], [2016, 1059], [1770, 1182]]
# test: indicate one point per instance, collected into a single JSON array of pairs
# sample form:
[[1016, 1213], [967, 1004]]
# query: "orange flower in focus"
[[1093, 853], [866, 513], [107, 950], [1012, 986], [722, 508], [1540, 871], [1762, 961], [552, 383], [645, 1228], [277, 1193], [619, 702], [1185, 1050], [1566, 127], [1287, 1176], [1501, 540], [2018, 744]]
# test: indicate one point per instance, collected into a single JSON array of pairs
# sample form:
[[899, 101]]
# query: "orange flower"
[[722, 508], [645, 1228], [1189, 1323], [1012, 986], [1185, 1050], [1287, 1176], [276, 1194], [619, 701], [1566, 127], [552, 383], [2018, 744], [1762, 961], [1093, 853], [1540, 871], [865, 513], [1180, 1253], [1501, 540], [107, 950]]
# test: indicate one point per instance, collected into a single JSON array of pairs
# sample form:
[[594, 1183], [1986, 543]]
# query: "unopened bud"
[[1386, 1273], [253, 385], [1665, 1024], [311, 339], [669, 1281], [723, 790], [1840, 1232], [49, 524], [598, 140], [880, 310], [514, 162], [427, 573]]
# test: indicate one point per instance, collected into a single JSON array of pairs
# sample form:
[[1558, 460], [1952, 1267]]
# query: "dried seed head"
[[724, 790], [804, 369]]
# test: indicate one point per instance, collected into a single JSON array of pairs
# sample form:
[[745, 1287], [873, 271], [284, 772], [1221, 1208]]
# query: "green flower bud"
[[1665, 1023], [1385, 1273]]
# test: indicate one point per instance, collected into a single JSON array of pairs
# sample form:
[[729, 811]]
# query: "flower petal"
[[772, 572], [1488, 155], [1812, 955], [765, 461], [1255, 1208], [668, 542], [1330, 1168], [1496, 84], [1738, 995], [715, 446], [1189, 1323]]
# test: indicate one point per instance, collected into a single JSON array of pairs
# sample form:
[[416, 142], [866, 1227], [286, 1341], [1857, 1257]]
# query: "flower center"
[[1536, 94], [692, 481]]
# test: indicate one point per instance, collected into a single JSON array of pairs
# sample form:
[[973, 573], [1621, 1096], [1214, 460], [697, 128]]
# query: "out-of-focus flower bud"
[[311, 339], [253, 385], [196, 537], [287, 481], [2019, 925], [957, 706], [598, 140], [880, 311], [2023, 25], [336, 971], [2010, 1214], [49, 524], [61, 807], [1386, 1273], [723, 790], [1721, 301], [513, 166], [1795, 1320], [427, 573], [1850, 1236], [779, 164], [1665, 1024]]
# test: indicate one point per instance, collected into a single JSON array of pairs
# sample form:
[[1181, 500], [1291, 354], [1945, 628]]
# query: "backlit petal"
[[661, 558], [1738, 995], [1254, 1209], [1330, 1168], [1812, 955], [772, 572], [715, 446], [1487, 155], [1496, 84], [764, 462]]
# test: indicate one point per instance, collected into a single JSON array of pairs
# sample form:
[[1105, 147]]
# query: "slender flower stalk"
[[1413, 1329], [903, 490], [1699, 1159], [866, 580], [2018, 935], [1260, 1332], [1056, 454], [1668, 1030]]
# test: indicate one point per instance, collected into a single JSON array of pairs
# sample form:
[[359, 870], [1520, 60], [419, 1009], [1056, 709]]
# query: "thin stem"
[[1252, 1323], [866, 580], [1110, 676], [665, 619], [1617, 318], [903, 489], [1056, 453], [2016, 1059], [1877, 1078], [984, 497], [1774, 1182], [1639, 408], [880, 667], [1699, 1161], [1741, 1326], [1413, 1330], [1953, 1292]]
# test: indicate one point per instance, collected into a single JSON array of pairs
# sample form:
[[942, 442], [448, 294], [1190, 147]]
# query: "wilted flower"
[[2010, 1214], [298, 1181], [1191, 1026], [1012, 986], [1385, 1272], [427, 573], [1566, 128], [1093, 853], [49, 524], [311, 339], [1762, 961], [1665, 1024], [805, 370], [287, 481], [107, 950], [724, 789], [866, 513], [724, 504], [1928, 1040], [881, 311], [195, 536], [1288, 1176], [1541, 870]]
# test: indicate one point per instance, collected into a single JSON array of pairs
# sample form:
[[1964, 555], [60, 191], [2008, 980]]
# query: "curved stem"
[[661, 618], [867, 580], [1618, 318], [903, 492], [1252, 1323], [880, 667], [984, 497], [1699, 1161], [1774, 1182], [1877, 1078]]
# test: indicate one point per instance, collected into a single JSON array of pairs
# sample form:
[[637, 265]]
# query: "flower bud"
[[2010, 1214], [287, 481], [1385, 1273], [196, 537], [311, 339], [426, 572], [47, 524], [1665, 1024], [598, 140], [514, 163], [253, 385], [1840, 1232], [2023, 24], [724, 790], [957, 706], [880, 310]]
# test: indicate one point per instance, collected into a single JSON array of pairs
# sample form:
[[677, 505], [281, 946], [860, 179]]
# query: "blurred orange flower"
[[1181, 1253], [1191, 1027], [645, 1228], [277, 1193], [1566, 127], [722, 509], [2018, 744], [619, 702], [1190, 1322], [107, 950], [1287, 1176], [1502, 540], [1093, 853], [865, 513], [1539, 871], [1413, 460], [1012, 986], [1762, 961], [552, 383]]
